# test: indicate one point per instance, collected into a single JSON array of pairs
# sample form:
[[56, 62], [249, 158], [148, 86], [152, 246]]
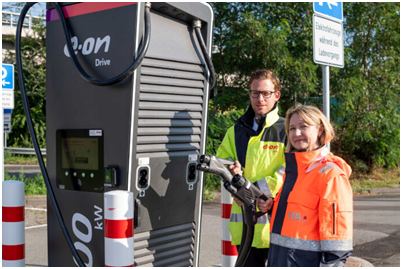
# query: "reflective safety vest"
[[312, 217], [261, 154]]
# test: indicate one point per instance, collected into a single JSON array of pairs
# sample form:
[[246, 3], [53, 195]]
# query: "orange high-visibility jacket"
[[312, 217]]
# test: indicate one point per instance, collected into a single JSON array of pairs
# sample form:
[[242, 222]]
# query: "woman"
[[312, 216]]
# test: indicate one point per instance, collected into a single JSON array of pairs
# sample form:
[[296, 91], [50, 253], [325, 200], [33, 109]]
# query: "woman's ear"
[[320, 130]]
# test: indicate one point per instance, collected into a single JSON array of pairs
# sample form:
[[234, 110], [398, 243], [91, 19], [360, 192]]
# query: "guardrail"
[[23, 151]]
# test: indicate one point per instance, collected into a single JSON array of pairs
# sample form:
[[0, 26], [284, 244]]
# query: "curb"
[[396, 190]]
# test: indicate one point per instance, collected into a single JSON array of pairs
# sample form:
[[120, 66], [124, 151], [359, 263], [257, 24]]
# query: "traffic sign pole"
[[325, 94], [7, 92], [328, 44], [2, 148]]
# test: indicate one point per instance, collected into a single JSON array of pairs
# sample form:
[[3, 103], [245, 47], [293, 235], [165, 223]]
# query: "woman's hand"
[[235, 168], [264, 206]]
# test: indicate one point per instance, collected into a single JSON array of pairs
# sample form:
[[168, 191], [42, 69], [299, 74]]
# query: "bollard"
[[119, 229], [229, 252], [13, 224]]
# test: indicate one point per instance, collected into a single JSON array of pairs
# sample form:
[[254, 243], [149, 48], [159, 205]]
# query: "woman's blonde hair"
[[312, 116]]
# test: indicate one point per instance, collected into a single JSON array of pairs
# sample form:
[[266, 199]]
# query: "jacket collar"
[[247, 120], [310, 159]]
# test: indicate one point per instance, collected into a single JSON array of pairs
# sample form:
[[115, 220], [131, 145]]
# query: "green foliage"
[[279, 36], [218, 124], [34, 69], [256, 35], [369, 86], [10, 158], [33, 185]]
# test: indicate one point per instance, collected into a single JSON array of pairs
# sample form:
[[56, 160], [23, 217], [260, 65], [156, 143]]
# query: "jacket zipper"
[[333, 218]]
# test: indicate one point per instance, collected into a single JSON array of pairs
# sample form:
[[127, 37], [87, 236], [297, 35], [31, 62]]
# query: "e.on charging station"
[[143, 134]]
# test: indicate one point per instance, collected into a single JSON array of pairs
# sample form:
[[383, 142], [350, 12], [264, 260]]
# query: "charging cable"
[[197, 28]]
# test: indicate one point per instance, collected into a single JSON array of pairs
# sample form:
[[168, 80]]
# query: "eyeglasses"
[[265, 94]]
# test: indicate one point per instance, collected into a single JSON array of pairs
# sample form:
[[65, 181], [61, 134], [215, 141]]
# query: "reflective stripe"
[[311, 245], [336, 245], [239, 218], [327, 166], [263, 186], [295, 243], [236, 218], [281, 171], [318, 160]]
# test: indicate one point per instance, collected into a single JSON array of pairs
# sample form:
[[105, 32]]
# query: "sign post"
[[7, 90], [328, 44]]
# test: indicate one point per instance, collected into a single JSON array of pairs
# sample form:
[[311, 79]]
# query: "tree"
[[251, 36], [279, 36], [34, 67], [369, 86]]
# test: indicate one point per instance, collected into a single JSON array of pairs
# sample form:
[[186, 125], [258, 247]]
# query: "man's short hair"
[[264, 74]]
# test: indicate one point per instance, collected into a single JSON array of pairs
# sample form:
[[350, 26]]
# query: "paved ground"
[[376, 231]]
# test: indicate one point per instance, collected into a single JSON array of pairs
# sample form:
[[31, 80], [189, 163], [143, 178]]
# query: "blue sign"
[[332, 10], [8, 111], [7, 76]]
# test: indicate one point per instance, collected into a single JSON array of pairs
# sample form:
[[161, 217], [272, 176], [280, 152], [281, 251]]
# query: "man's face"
[[261, 105]]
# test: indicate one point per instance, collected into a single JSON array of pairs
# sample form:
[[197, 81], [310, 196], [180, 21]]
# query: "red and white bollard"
[[119, 229], [229, 252], [13, 222]]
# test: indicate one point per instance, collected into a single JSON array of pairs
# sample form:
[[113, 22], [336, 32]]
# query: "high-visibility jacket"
[[312, 217], [261, 155]]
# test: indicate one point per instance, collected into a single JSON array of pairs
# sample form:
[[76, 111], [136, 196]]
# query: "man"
[[257, 143]]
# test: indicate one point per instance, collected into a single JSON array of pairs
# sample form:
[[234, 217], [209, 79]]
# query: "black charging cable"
[[125, 73], [197, 28], [35, 140]]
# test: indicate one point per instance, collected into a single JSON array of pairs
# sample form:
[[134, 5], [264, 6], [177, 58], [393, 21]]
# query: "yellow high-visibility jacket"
[[261, 155]]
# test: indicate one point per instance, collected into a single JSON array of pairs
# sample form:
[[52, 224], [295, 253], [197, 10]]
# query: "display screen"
[[80, 153]]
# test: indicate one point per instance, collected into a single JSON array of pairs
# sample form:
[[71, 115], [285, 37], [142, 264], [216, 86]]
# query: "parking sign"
[[7, 76], [331, 10]]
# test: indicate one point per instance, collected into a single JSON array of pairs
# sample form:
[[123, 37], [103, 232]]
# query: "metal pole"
[[2, 147], [325, 95]]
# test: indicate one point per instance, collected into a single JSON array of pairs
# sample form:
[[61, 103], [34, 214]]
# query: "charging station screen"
[[80, 153]]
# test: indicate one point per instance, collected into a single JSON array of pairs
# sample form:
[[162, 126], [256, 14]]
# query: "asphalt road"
[[377, 229], [376, 233]]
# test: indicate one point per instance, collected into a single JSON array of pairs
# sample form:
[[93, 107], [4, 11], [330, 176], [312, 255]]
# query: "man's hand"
[[235, 168], [264, 206]]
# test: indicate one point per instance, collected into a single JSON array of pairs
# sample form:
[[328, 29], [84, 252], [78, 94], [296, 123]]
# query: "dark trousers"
[[257, 258]]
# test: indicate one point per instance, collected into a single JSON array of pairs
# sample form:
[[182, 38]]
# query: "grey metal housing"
[[156, 119]]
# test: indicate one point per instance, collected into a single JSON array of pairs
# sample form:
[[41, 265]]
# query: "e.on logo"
[[270, 147], [89, 45]]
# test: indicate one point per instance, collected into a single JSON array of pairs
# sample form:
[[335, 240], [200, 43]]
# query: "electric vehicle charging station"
[[143, 134]]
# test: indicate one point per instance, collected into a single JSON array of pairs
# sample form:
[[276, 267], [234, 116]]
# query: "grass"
[[379, 178], [10, 158], [33, 185], [360, 182]]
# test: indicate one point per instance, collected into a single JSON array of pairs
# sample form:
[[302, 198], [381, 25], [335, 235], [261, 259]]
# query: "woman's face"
[[303, 137]]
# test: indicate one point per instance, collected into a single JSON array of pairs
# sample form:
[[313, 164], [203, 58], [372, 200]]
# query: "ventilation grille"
[[173, 246], [170, 108]]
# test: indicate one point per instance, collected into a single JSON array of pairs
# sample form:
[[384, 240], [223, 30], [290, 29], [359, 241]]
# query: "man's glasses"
[[265, 94]]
